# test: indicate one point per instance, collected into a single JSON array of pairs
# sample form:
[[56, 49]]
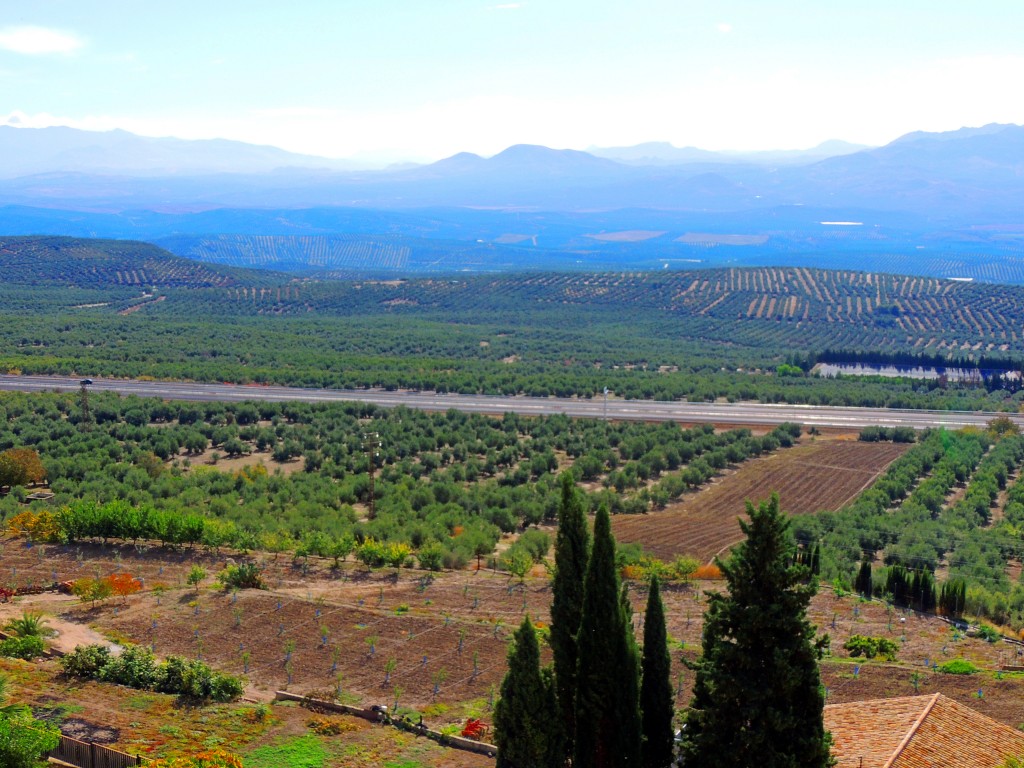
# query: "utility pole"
[[83, 398], [606, 403], [371, 444]]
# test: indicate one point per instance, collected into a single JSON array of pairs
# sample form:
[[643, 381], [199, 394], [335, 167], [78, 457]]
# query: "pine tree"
[[607, 717], [527, 729], [758, 699], [572, 544], [657, 706]]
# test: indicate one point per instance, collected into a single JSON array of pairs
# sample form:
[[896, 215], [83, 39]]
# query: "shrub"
[[431, 556], [195, 680], [536, 543], [958, 667], [90, 590], [329, 726], [135, 667], [225, 687], [195, 576], [709, 571], [989, 633], [123, 584], [871, 647], [36, 526], [244, 576], [85, 661], [24, 741], [26, 648]]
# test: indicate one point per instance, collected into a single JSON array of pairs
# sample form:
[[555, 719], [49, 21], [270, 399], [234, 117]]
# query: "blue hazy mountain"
[[664, 153], [928, 203], [26, 151]]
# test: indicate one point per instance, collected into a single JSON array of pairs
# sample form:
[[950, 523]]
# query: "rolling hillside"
[[789, 307], [103, 264]]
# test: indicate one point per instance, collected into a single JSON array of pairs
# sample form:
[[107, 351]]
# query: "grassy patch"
[[435, 710], [300, 752]]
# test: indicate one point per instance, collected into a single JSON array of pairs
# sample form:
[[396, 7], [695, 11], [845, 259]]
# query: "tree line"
[[605, 702]]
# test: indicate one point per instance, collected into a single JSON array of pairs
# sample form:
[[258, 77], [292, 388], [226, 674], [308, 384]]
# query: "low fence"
[[85, 754], [376, 716]]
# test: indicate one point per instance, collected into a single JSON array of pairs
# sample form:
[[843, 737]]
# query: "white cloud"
[[507, 6], [725, 28], [35, 41]]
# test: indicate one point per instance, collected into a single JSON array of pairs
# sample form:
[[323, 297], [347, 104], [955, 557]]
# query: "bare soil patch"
[[814, 476]]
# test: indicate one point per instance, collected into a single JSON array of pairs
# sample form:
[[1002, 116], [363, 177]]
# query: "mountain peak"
[[960, 133]]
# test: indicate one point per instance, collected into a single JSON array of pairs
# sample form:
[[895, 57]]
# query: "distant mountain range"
[[973, 175], [28, 151], [663, 153], [944, 204]]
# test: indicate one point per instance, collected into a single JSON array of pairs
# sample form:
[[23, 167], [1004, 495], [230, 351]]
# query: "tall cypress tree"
[[526, 726], [758, 698], [656, 701], [863, 584], [607, 716], [572, 544]]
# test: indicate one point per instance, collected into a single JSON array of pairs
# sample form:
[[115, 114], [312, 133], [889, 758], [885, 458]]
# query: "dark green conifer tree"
[[527, 729], [657, 706], [572, 548], [816, 560], [608, 725], [863, 584], [758, 699]]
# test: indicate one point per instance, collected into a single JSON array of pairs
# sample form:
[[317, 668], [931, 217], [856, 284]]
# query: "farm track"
[[823, 475]]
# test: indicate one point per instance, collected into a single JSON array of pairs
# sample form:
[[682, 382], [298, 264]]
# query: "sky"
[[423, 79]]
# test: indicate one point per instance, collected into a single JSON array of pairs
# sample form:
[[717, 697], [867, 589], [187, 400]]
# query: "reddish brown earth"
[[815, 476]]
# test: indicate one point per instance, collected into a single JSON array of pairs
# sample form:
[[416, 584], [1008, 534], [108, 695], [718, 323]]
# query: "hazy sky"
[[422, 79]]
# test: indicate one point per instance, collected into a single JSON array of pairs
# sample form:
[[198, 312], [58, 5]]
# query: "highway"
[[633, 410]]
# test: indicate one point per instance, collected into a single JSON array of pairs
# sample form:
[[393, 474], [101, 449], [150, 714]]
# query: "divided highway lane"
[[636, 410]]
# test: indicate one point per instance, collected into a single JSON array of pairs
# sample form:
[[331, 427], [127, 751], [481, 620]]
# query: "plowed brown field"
[[815, 476]]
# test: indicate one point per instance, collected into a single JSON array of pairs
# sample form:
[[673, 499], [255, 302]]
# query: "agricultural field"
[[407, 615], [822, 475], [106, 308], [297, 476]]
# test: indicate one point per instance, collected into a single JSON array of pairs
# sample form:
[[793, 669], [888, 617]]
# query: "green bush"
[[194, 679], [244, 576], [958, 667], [24, 741], [989, 633], [27, 648], [431, 556], [85, 661], [871, 647], [134, 667]]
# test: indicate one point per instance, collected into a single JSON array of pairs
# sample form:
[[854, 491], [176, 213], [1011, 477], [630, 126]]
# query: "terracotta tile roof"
[[918, 732]]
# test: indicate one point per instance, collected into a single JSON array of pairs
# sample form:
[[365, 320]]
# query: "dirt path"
[[69, 633]]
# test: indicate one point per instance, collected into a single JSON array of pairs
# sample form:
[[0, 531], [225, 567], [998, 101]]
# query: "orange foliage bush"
[[634, 572], [710, 571], [123, 584], [21, 466]]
